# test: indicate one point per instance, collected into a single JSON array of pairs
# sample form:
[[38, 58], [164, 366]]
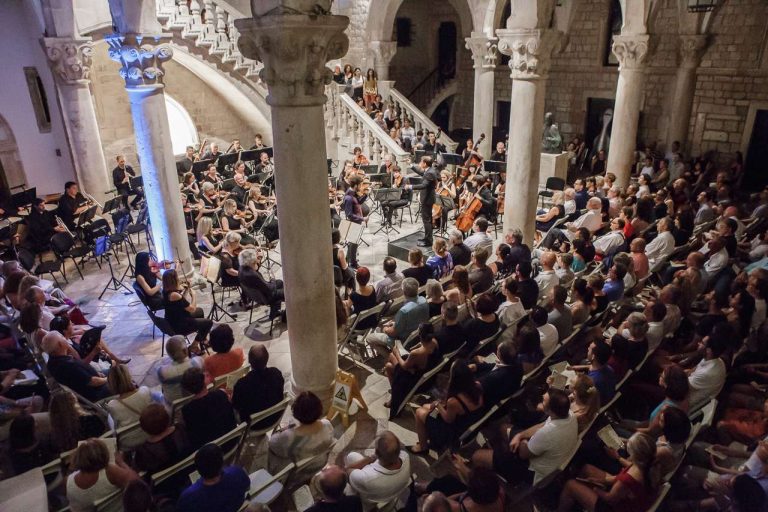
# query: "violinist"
[[358, 157], [240, 191], [258, 204], [148, 278], [258, 142], [209, 199], [500, 155], [189, 185], [230, 266], [240, 169], [208, 239], [233, 221], [189, 214], [499, 192], [470, 154], [181, 311], [386, 166], [354, 212]]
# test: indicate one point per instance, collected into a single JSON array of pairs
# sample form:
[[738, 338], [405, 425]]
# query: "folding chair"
[[552, 184]]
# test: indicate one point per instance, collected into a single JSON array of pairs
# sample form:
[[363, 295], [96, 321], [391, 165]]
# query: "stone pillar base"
[[552, 166]]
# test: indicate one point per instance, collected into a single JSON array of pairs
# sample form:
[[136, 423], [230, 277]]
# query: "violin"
[[155, 266]]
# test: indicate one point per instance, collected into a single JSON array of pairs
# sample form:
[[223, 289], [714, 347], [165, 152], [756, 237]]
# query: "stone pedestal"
[[70, 60], [553, 166], [484, 52], [530, 51], [141, 58], [294, 49], [631, 51]]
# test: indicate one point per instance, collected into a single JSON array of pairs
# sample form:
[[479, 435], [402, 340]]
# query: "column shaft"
[[626, 115], [305, 229], [526, 112], [682, 104], [482, 115], [158, 171]]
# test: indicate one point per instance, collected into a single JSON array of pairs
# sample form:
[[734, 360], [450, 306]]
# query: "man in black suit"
[[430, 178], [261, 389], [71, 204], [518, 251], [502, 379], [121, 179], [432, 146]]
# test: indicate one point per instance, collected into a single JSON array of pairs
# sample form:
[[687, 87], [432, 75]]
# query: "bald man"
[[260, 389], [331, 481], [382, 477]]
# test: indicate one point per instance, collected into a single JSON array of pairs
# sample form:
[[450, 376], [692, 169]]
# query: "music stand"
[[448, 204], [250, 155], [385, 196], [200, 167], [452, 159], [227, 159], [377, 178], [369, 168], [418, 154], [19, 200], [351, 232], [268, 150], [260, 233], [104, 251], [111, 204], [227, 184], [496, 166], [136, 182], [87, 216]]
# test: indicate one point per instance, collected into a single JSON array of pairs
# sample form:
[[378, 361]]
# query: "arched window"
[[183, 131]]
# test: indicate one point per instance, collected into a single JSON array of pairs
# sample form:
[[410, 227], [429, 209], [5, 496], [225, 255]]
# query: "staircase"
[[206, 28]]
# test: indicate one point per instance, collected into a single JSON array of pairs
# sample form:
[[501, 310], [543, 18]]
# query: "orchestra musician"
[[240, 169], [447, 188], [354, 211], [209, 199], [484, 194], [258, 203], [470, 152], [121, 179], [234, 222], [265, 165], [240, 191], [211, 175], [258, 142], [184, 165], [358, 157], [189, 185], [432, 146], [209, 240], [500, 154], [71, 204], [235, 147], [430, 176], [212, 153], [41, 226]]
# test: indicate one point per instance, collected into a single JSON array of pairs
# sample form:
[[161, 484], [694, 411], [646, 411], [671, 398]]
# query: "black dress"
[[177, 315], [442, 434], [362, 303], [403, 380]]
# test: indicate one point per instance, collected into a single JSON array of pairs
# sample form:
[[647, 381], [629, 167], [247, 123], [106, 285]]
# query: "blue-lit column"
[[295, 49], [141, 58]]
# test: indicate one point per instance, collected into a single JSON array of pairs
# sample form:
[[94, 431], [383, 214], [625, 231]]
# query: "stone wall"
[[732, 76], [213, 117]]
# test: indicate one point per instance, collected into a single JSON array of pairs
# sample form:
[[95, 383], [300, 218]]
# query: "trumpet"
[[91, 199], [61, 224]]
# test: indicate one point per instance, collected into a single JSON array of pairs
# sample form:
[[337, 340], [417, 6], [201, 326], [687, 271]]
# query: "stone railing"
[[210, 25], [418, 118], [351, 127]]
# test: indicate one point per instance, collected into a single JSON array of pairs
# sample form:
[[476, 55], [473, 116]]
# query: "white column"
[[530, 51], [631, 51], [383, 52], [70, 60], [141, 58], [691, 49], [294, 49], [484, 52]]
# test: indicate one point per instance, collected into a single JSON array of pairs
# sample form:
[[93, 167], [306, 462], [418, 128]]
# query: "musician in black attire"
[[432, 146], [249, 275], [500, 155], [484, 194], [71, 204], [41, 226], [213, 153], [354, 213], [429, 182], [120, 178], [258, 142], [184, 165]]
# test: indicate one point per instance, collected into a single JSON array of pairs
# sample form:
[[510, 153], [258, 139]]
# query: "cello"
[[473, 160], [466, 218]]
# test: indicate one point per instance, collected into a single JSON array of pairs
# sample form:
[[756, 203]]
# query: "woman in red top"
[[632, 490]]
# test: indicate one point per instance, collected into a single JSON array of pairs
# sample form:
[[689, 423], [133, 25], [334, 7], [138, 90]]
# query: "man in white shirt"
[[707, 378], [569, 205], [381, 477], [592, 220], [548, 334], [547, 278], [479, 236], [705, 213], [542, 448], [511, 310], [662, 246], [609, 242], [717, 258], [654, 315]]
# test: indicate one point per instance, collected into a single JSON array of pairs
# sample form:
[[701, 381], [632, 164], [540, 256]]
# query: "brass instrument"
[[91, 199], [61, 224], [200, 152]]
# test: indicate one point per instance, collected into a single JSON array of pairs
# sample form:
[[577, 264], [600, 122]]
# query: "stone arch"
[[183, 130], [381, 18], [10, 162], [446, 92]]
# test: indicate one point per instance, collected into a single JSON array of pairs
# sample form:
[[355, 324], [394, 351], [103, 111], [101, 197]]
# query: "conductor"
[[430, 177]]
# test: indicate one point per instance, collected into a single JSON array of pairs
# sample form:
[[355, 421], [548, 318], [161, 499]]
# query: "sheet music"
[[350, 231], [24, 493], [559, 367], [302, 498], [559, 381]]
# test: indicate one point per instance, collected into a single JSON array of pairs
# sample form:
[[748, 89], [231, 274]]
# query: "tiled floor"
[[129, 334]]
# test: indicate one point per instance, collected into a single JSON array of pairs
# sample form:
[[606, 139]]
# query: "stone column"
[[70, 60], [383, 52], [631, 51], [484, 52], [294, 49], [530, 51], [691, 49], [141, 58]]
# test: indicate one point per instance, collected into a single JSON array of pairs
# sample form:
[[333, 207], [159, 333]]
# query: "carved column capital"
[[484, 51], [691, 49], [70, 58], [140, 56], [383, 51], [530, 51], [631, 50], [294, 49]]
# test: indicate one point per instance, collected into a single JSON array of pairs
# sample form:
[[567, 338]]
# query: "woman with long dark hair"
[[147, 279], [370, 88]]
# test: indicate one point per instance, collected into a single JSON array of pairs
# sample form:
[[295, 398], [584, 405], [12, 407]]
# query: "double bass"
[[472, 161]]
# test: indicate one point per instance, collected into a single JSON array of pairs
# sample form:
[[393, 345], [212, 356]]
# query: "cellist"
[[446, 188], [470, 155]]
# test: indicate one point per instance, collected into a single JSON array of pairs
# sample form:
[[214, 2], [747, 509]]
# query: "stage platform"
[[399, 247]]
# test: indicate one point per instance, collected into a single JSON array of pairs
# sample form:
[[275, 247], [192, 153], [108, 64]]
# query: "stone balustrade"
[[418, 118]]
